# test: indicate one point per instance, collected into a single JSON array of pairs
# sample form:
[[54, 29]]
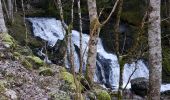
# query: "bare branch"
[[113, 9]]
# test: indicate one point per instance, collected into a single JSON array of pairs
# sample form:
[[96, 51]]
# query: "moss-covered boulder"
[[102, 94], [45, 71], [69, 80], [8, 40], [36, 61]]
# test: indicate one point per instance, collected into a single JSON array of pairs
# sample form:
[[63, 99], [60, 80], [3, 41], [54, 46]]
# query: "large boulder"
[[140, 86]]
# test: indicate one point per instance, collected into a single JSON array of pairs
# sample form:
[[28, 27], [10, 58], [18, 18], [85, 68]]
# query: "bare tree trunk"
[[80, 28], [3, 28], [10, 11], [94, 34], [24, 20], [117, 32], [155, 50], [95, 27]]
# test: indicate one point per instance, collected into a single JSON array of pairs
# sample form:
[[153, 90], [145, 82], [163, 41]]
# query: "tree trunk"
[[117, 32], [155, 51], [10, 11], [80, 28], [3, 28], [94, 34]]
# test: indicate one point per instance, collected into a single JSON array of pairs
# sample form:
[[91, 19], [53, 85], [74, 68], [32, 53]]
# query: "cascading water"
[[107, 71]]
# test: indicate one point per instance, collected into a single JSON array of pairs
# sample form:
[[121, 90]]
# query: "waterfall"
[[107, 70]]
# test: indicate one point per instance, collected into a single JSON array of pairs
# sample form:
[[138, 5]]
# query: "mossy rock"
[[26, 64], [91, 95], [102, 94], [45, 71], [36, 61], [68, 78], [69, 82], [16, 55], [63, 69], [8, 40]]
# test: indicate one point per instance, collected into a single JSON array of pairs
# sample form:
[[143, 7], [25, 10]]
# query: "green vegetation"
[[102, 95], [68, 78], [36, 61], [8, 40], [45, 71]]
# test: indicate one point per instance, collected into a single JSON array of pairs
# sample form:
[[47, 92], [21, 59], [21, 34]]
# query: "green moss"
[[2, 85], [62, 69], [8, 40], [102, 95], [16, 55], [36, 61], [26, 64], [45, 71], [66, 76]]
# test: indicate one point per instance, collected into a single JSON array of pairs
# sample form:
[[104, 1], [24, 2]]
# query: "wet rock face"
[[140, 86]]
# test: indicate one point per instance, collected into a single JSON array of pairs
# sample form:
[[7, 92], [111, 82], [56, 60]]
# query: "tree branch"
[[113, 9]]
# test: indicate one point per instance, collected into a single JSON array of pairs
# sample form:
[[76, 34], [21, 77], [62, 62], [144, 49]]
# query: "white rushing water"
[[107, 71]]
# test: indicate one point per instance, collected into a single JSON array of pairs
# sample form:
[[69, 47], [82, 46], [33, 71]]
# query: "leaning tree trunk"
[[3, 28], [155, 51], [94, 34]]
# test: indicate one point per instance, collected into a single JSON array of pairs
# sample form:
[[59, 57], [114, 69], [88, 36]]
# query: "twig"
[[113, 9], [130, 77]]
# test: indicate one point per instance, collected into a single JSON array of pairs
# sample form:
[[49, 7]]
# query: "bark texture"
[[3, 28], [155, 51], [94, 34], [10, 11]]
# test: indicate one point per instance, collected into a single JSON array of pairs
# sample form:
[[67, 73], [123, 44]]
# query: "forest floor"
[[17, 82]]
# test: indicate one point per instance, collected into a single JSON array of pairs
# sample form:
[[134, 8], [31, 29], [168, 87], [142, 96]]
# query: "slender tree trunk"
[[3, 28], [95, 27], [94, 34], [80, 28], [117, 32], [155, 51]]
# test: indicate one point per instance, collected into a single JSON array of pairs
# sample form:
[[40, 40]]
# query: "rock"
[[165, 95], [140, 86], [36, 61], [7, 40], [45, 71], [102, 95], [11, 94], [91, 96], [69, 79]]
